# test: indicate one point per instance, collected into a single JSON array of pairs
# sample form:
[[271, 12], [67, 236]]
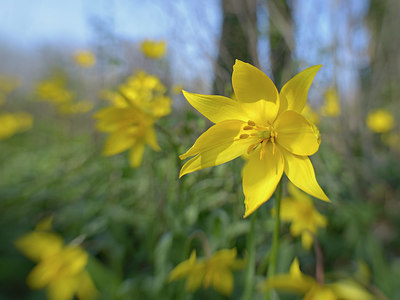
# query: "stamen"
[[247, 127], [251, 147], [244, 136], [251, 123], [254, 134], [262, 152]]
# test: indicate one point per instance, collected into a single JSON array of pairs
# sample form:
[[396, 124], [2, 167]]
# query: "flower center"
[[263, 133]]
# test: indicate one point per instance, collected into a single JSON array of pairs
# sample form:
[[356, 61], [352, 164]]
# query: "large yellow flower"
[[60, 268], [299, 283], [215, 271], [263, 123]]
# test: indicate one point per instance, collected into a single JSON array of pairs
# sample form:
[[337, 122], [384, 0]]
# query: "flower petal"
[[296, 134], [223, 281], [251, 84], [151, 139], [294, 93], [300, 172], [118, 142], [220, 134], [136, 154], [261, 111], [216, 108], [260, 177]]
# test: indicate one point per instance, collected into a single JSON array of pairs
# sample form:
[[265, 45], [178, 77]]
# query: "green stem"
[[275, 241], [251, 260]]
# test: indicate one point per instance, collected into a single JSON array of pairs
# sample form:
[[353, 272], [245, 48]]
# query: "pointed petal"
[[217, 155], [294, 93], [62, 289], [221, 133], [251, 84], [296, 134], [39, 245], [300, 172], [260, 177], [223, 281], [118, 142], [151, 139], [136, 154], [86, 288], [216, 108]]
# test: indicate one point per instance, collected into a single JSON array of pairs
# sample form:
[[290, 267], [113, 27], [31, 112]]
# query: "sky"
[[191, 27]]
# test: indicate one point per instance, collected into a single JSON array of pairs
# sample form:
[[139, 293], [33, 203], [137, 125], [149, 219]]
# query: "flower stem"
[[251, 260], [275, 241]]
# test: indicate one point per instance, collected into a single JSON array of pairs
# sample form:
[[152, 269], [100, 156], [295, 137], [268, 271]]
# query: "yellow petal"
[[183, 269], [223, 281], [307, 240], [136, 154], [118, 142], [350, 290], [86, 289], [221, 133], [62, 289], [251, 84], [261, 111], [38, 245], [216, 108], [300, 172], [260, 177], [151, 139], [296, 134], [294, 93]]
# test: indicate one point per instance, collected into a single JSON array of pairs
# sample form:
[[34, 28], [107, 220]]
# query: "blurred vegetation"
[[138, 224]]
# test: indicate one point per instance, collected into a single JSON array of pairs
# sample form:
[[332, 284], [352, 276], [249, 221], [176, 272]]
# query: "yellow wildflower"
[[331, 107], [310, 114], [54, 91], [153, 49], [128, 128], [84, 59], [299, 283], [215, 271], [12, 123], [60, 268], [264, 123], [380, 120], [299, 210]]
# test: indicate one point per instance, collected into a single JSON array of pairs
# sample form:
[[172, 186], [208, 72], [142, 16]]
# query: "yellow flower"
[[299, 209], [380, 120], [297, 282], [85, 59], [11, 124], [128, 128], [54, 91], [310, 114], [215, 271], [60, 268], [153, 49], [264, 123], [331, 106]]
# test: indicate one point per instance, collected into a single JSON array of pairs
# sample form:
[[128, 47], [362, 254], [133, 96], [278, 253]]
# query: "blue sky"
[[190, 26]]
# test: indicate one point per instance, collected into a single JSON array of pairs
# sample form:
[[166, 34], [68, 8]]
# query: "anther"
[[251, 123], [244, 136], [251, 147], [247, 127]]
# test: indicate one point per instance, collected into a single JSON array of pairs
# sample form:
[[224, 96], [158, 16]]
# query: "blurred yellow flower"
[[60, 268], [380, 120], [310, 114], [136, 106], [264, 123], [299, 210], [12, 123], [299, 283], [84, 59], [331, 107], [153, 49], [391, 139], [215, 271], [129, 128], [53, 90]]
